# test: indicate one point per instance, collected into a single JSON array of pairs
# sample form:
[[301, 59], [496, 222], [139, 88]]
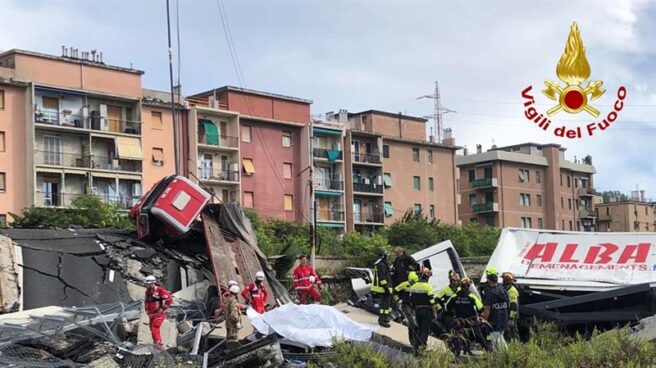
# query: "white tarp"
[[313, 325], [576, 258]]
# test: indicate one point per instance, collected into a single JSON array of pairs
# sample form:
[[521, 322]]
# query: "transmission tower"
[[438, 124]]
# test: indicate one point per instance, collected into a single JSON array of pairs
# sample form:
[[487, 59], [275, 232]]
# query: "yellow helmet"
[[413, 277]]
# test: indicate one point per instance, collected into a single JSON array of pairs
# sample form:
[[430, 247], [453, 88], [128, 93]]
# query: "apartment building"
[[72, 125], [273, 148], [626, 216], [527, 185], [394, 168]]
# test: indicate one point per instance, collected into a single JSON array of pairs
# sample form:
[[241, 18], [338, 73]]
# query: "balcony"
[[225, 141], [485, 183], [54, 118], [329, 184], [114, 164], [586, 192], [330, 215], [209, 174], [48, 199], [368, 188], [367, 158], [587, 213], [328, 154], [53, 158], [377, 217], [486, 207]]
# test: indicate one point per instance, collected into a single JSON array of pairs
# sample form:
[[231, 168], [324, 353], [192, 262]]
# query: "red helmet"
[[425, 273]]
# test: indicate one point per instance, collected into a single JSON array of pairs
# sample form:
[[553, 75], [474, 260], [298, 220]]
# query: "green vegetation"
[[546, 347], [88, 211]]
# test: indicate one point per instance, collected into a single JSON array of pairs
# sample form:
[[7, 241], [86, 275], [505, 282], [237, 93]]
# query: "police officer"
[[496, 310], [448, 291], [381, 288], [466, 308], [513, 296], [421, 296]]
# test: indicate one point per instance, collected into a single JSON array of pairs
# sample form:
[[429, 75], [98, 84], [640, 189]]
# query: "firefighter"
[[466, 308], [232, 314], [423, 299], [403, 289], [513, 296], [304, 278], [255, 293], [381, 288], [403, 265], [448, 291], [157, 301]]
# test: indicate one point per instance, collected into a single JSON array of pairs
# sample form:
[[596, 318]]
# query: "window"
[[429, 156], [539, 200], [487, 173], [286, 139], [561, 181], [3, 178], [2, 141], [289, 202], [287, 170], [562, 222], [156, 118], [432, 211], [389, 210], [490, 220], [562, 204], [385, 151], [3, 221], [364, 121], [472, 175], [576, 182], [248, 199], [416, 182], [249, 168], [472, 199], [245, 133], [2, 99], [526, 222], [646, 210], [415, 154], [539, 223], [607, 210], [569, 203], [158, 156], [430, 184], [417, 208], [538, 176], [569, 181], [523, 175], [524, 199], [570, 225], [387, 180], [473, 220]]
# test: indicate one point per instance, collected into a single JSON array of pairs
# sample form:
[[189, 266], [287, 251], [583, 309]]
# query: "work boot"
[[384, 322]]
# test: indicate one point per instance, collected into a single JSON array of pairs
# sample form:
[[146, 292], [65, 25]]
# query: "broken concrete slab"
[[143, 253], [10, 285], [646, 329], [134, 269], [104, 362], [396, 335], [193, 293], [168, 331], [136, 292]]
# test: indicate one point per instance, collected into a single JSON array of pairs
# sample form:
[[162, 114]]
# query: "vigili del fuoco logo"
[[574, 70]]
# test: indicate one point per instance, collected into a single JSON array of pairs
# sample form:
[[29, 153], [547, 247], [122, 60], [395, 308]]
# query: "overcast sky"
[[363, 55]]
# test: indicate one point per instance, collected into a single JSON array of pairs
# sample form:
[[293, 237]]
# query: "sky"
[[361, 55]]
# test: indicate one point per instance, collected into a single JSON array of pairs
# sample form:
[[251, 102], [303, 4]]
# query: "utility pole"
[[313, 202], [438, 125], [173, 112]]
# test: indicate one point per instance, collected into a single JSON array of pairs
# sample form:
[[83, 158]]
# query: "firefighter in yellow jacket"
[[423, 299], [381, 288], [513, 295]]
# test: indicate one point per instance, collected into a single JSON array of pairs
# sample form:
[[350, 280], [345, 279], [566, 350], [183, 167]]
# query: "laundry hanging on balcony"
[[333, 155], [211, 133]]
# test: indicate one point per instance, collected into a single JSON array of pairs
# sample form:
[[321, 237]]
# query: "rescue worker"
[[497, 309], [255, 293], [232, 314], [403, 289], [466, 307], [227, 292], [450, 290], [513, 296], [157, 301], [304, 278], [403, 265], [381, 288], [423, 299]]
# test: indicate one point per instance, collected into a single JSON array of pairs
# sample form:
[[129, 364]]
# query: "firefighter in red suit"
[[255, 293], [304, 277], [157, 301]]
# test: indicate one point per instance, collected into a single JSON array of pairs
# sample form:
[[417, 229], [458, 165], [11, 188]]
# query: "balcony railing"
[[102, 124], [369, 217], [207, 173], [586, 192], [49, 199], [586, 213], [484, 183], [329, 154], [367, 188], [78, 160], [330, 184], [367, 158], [330, 215], [224, 141], [114, 164], [485, 207]]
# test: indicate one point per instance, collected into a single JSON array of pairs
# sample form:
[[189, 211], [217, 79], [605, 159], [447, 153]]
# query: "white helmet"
[[259, 276], [312, 279], [232, 283], [150, 279], [234, 289]]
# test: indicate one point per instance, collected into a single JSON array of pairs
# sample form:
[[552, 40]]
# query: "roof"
[[158, 98], [526, 144], [390, 114], [253, 92], [403, 140], [71, 60], [497, 155], [627, 202]]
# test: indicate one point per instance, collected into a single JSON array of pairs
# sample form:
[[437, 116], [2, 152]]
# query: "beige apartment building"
[[527, 185], [394, 168], [626, 216], [73, 125]]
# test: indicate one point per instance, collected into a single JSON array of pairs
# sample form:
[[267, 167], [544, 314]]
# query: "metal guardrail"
[[217, 174], [368, 158], [369, 217], [367, 188], [224, 141]]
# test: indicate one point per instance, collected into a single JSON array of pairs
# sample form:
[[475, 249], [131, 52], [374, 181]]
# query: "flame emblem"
[[573, 69]]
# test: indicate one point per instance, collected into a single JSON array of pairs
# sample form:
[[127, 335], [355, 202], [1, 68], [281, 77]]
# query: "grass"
[[546, 348]]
